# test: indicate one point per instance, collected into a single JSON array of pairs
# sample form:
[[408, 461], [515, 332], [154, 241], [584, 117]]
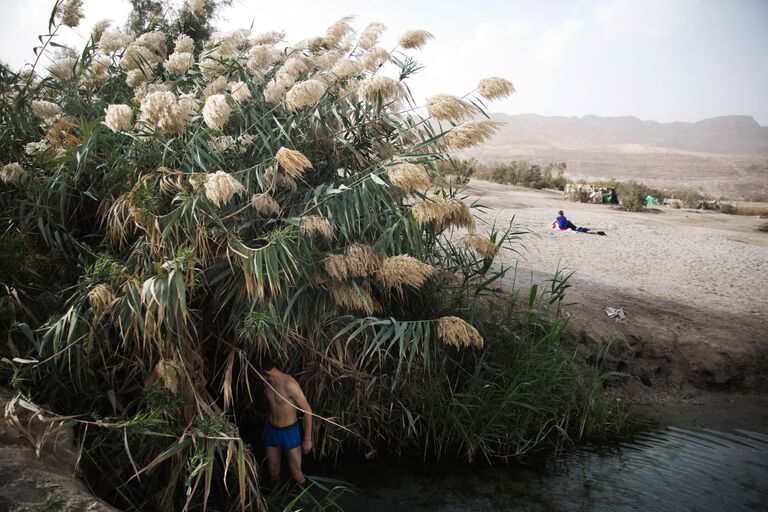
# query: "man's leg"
[[273, 462], [294, 464]]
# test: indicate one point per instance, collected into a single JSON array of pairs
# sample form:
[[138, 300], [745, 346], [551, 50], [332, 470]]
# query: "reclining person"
[[562, 223]]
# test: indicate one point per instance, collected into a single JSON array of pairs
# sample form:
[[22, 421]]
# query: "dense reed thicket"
[[174, 208]]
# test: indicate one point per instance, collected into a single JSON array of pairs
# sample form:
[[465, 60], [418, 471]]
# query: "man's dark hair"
[[266, 363], [560, 212]]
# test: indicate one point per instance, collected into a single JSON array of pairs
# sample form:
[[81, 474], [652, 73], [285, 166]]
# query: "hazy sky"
[[665, 60]]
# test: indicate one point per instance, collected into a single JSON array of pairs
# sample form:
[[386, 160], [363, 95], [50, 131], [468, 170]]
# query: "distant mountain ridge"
[[735, 135]]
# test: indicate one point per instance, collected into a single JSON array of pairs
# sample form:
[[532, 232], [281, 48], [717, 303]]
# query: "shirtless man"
[[281, 433]]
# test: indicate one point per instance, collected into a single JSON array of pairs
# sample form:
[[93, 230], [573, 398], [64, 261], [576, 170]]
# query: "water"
[[666, 469]]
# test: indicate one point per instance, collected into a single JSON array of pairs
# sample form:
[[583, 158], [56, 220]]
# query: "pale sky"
[[662, 60]]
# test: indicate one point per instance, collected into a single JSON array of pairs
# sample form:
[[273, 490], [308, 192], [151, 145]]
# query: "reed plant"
[[181, 207]]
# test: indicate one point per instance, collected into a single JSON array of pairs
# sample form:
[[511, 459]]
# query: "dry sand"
[[694, 285]]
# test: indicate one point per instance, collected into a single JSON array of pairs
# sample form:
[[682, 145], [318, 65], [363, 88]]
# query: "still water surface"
[[664, 469]]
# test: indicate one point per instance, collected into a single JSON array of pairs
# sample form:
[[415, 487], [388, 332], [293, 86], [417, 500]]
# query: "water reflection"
[[667, 469]]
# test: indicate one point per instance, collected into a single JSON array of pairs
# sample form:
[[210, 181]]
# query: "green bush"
[[523, 174]]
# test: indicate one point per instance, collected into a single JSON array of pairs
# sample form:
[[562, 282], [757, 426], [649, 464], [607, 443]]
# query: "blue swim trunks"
[[284, 438]]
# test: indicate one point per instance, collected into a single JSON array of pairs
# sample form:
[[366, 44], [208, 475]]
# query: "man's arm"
[[301, 402]]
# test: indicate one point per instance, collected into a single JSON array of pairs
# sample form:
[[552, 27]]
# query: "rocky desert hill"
[[723, 156]]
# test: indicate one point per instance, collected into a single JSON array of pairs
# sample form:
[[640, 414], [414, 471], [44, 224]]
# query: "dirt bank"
[[29, 482], [693, 286]]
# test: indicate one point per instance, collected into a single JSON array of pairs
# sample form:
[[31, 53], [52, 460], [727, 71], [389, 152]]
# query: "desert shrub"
[[632, 197], [524, 174], [580, 196], [463, 170]]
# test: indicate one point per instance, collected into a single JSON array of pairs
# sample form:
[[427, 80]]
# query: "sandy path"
[[694, 285]]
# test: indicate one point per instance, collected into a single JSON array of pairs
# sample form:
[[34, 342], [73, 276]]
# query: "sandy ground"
[[694, 285]]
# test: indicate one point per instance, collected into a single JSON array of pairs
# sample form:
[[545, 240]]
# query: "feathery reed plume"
[[45, 109], [195, 7], [454, 331], [345, 68], [380, 88], [216, 111], [415, 39], [357, 261], [355, 299], [37, 147], [444, 212], [327, 60], [239, 91], [216, 87], [273, 178], [220, 187], [118, 118], [260, 57], [63, 69], [184, 44], [70, 12], [98, 29], [369, 37], [470, 133], [146, 89], [166, 373], [304, 93], [276, 88], [335, 266], [315, 225], [62, 133], [404, 270], [374, 58], [222, 143], [101, 299], [197, 180], [178, 63], [163, 111], [137, 56], [13, 173], [494, 87], [265, 205], [294, 162], [97, 73], [112, 41], [212, 65], [409, 177], [338, 31], [295, 66], [361, 260], [446, 107], [479, 244], [268, 38], [137, 77]]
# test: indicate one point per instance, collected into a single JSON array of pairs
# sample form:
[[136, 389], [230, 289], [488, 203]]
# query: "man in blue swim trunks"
[[282, 433]]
